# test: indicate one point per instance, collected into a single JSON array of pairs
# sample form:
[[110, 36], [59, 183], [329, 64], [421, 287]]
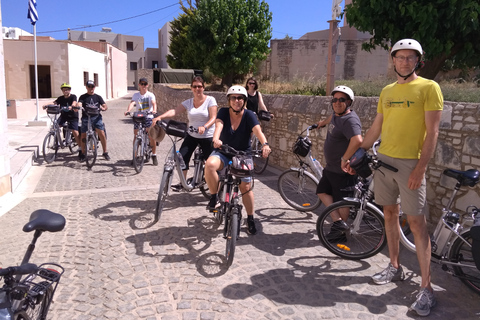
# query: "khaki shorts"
[[390, 186]]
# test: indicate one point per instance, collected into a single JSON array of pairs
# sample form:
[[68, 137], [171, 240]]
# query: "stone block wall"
[[458, 144]]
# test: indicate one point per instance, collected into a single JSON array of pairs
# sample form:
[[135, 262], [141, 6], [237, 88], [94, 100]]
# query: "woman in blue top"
[[233, 127], [201, 110]]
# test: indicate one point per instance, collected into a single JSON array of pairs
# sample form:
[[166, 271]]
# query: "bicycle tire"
[[138, 155], [40, 309], [299, 190], [162, 194], [369, 240], [72, 146], [50, 147], [91, 150], [232, 234], [259, 163], [462, 253]]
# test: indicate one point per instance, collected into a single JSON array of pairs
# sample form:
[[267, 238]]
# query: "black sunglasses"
[[196, 87], [338, 99], [143, 83], [90, 87], [251, 83], [237, 98]]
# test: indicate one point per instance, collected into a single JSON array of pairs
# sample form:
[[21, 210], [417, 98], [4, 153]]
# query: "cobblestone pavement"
[[118, 269]]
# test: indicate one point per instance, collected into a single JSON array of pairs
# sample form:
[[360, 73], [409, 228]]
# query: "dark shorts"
[[97, 123], [338, 185], [71, 121], [148, 123]]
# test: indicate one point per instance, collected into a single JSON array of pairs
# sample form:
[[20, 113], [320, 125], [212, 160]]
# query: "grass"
[[452, 90]]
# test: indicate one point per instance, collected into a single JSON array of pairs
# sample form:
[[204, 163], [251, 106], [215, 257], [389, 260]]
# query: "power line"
[[110, 22]]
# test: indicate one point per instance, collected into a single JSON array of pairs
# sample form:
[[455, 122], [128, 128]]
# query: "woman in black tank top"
[[254, 100]]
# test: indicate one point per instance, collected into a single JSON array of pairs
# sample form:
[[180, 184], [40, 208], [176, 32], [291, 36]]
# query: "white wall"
[[85, 60]]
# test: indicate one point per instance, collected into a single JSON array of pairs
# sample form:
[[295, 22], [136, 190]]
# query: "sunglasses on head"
[[196, 87], [236, 98], [338, 99]]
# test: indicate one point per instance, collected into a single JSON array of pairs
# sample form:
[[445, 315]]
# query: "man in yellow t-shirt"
[[408, 118]]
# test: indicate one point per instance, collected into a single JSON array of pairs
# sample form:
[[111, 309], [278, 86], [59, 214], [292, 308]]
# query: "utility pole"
[[333, 36]]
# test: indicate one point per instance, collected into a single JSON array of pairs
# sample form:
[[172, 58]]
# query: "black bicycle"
[[240, 166], [54, 140], [259, 162], [28, 289]]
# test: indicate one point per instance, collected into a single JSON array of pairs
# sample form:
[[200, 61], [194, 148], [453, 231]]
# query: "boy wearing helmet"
[[344, 137], [71, 116], [408, 117], [234, 126]]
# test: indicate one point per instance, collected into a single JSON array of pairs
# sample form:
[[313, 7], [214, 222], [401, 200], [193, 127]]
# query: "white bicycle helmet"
[[346, 90], [237, 90], [407, 44]]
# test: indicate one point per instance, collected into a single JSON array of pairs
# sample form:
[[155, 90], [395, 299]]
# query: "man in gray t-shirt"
[[343, 139]]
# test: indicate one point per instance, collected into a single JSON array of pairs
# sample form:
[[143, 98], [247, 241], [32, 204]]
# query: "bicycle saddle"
[[45, 220], [465, 178]]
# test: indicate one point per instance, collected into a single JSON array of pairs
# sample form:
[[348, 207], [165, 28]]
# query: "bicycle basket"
[[177, 129], [264, 115], [302, 146], [360, 162], [92, 111], [139, 117], [53, 109], [242, 166]]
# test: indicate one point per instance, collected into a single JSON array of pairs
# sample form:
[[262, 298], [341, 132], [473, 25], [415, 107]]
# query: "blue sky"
[[292, 17]]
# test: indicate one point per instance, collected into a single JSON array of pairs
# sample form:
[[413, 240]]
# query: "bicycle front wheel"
[[39, 309], [299, 190], [466, 269], [138, 158], [91, 150], [72, 146], [259, 163], [232, 234], [50, 147], [162, 194], [368, 240]]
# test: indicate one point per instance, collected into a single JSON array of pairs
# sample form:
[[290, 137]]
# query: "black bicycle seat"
[[465, 178], [45, 220]]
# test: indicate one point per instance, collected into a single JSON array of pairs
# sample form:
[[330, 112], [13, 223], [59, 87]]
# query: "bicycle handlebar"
[[225, 148], [20, 270]]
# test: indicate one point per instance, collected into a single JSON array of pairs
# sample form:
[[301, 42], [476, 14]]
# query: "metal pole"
[[36, 69], [332, 54]]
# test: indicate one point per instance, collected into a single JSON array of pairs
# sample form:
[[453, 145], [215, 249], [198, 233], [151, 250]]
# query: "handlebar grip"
[[314, 126], [387, 166]]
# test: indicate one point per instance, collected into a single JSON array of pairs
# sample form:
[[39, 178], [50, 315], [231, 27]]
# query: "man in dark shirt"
[[93, 101], [343, 139]]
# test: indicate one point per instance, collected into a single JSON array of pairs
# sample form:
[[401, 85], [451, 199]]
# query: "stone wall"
[[458, 145]]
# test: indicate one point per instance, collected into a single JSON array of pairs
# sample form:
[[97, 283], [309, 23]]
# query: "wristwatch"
[[265, 144]]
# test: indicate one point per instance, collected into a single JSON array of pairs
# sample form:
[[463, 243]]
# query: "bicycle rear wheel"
[[232, 234], [91, 150], [162, 194], [299, 190], [138, 158], [50, 147], [462, 253], [259, 163], [363, 243], [39, 309]]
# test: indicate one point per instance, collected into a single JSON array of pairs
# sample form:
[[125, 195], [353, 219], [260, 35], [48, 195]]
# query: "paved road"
[[117, 269]]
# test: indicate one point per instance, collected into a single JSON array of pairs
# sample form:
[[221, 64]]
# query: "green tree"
[[231, 35], [182, 53], [446, 29]]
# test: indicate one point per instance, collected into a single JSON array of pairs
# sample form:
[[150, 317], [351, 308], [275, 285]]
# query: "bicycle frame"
[[173, 162]]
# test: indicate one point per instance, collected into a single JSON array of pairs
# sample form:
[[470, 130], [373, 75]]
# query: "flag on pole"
[[32, 11]]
